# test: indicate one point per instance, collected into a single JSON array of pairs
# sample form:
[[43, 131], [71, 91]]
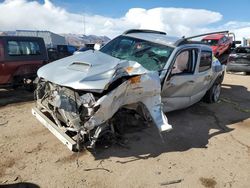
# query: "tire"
[[247, 73], [213, 94], [29, 87]]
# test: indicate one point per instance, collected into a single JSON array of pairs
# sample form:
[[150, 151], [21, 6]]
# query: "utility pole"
[[84, 24]]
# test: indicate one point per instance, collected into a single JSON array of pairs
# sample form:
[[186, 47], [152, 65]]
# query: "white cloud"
[[24, 14]]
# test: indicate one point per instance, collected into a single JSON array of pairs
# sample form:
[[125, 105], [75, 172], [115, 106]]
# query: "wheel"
[[213, 94], [29, 85], [247, 73]]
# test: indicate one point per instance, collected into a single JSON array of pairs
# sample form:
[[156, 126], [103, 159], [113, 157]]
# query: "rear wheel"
[[213, 94]]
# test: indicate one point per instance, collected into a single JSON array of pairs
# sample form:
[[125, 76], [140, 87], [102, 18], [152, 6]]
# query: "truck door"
[[178, 86], [202, 77]]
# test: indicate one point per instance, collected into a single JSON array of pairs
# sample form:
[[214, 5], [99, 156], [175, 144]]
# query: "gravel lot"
[[208, 147]]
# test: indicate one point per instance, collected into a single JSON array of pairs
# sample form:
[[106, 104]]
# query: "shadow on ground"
[[191, 128], [14, 96], [20, 185]]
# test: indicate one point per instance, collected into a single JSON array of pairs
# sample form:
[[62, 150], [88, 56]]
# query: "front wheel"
[[213, 94]]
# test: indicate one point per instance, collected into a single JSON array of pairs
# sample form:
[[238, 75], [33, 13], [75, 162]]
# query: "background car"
[[220, 43], [82, 49], [239, 60], [20, 58], [60, 52]]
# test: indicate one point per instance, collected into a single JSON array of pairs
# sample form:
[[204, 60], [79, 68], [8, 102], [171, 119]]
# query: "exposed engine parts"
[[87, 117]]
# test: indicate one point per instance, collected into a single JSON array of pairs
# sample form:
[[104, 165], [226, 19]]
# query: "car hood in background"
[[90, 70]]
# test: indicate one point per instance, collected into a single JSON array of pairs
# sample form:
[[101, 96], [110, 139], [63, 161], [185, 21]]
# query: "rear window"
[[205, 61], [23, 48]]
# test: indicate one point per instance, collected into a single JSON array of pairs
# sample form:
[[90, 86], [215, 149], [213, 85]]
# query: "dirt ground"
[[208, 147]]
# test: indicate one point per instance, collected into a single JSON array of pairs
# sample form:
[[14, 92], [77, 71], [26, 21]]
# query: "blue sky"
[[231, 10], [111, 18]]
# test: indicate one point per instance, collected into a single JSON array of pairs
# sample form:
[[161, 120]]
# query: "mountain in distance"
[[80, 40], [71, 39]]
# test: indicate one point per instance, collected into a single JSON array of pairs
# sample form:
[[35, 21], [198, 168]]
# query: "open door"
[[178, 86]]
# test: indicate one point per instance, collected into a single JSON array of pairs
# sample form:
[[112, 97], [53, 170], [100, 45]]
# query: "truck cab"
[[220, 43]]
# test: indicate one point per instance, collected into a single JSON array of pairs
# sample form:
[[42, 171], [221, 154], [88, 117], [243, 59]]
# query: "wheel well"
[[220, 78]]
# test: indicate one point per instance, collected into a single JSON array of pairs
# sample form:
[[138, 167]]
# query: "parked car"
[[83, 49], [143, 70], [20, 58], [90, 46], [220, 43], [60, 52], [239, 60]]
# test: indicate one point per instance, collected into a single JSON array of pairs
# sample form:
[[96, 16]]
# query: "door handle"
[[191, 81]]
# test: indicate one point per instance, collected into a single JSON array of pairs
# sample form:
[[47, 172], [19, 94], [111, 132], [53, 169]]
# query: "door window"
[[185, 62], [205, 61]]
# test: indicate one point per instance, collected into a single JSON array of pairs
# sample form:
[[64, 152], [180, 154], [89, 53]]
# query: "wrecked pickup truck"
[[142, 70]]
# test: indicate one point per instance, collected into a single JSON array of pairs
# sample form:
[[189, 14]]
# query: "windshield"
[[211, 42], [150, 55]]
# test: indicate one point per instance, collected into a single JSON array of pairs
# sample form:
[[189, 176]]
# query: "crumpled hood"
[[90, 70]]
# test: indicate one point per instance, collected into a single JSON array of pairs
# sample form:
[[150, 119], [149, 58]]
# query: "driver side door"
[[178, 86]]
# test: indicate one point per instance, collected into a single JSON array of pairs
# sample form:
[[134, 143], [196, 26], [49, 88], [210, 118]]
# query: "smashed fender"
[[144, 88]]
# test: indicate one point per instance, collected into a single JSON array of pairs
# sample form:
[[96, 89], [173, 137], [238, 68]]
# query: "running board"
[[60, 134]]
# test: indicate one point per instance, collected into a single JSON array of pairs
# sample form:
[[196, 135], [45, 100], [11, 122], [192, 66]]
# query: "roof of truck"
[[154, 37], [162, 38]]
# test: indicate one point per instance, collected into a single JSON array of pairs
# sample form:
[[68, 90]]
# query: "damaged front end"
[[86, 113]]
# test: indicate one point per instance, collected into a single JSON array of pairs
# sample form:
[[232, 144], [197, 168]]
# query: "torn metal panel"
[[145, 88]]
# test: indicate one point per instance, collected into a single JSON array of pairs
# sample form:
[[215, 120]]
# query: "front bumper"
[[53, 128]]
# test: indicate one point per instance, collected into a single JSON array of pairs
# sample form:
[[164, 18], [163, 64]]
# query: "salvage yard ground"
[[208, 147]]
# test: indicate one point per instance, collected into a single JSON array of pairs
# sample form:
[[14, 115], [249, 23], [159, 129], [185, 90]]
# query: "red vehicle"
[[220, 43], [20, 58]]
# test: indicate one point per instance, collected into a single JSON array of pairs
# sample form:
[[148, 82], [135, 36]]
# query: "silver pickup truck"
[[141, 70]]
